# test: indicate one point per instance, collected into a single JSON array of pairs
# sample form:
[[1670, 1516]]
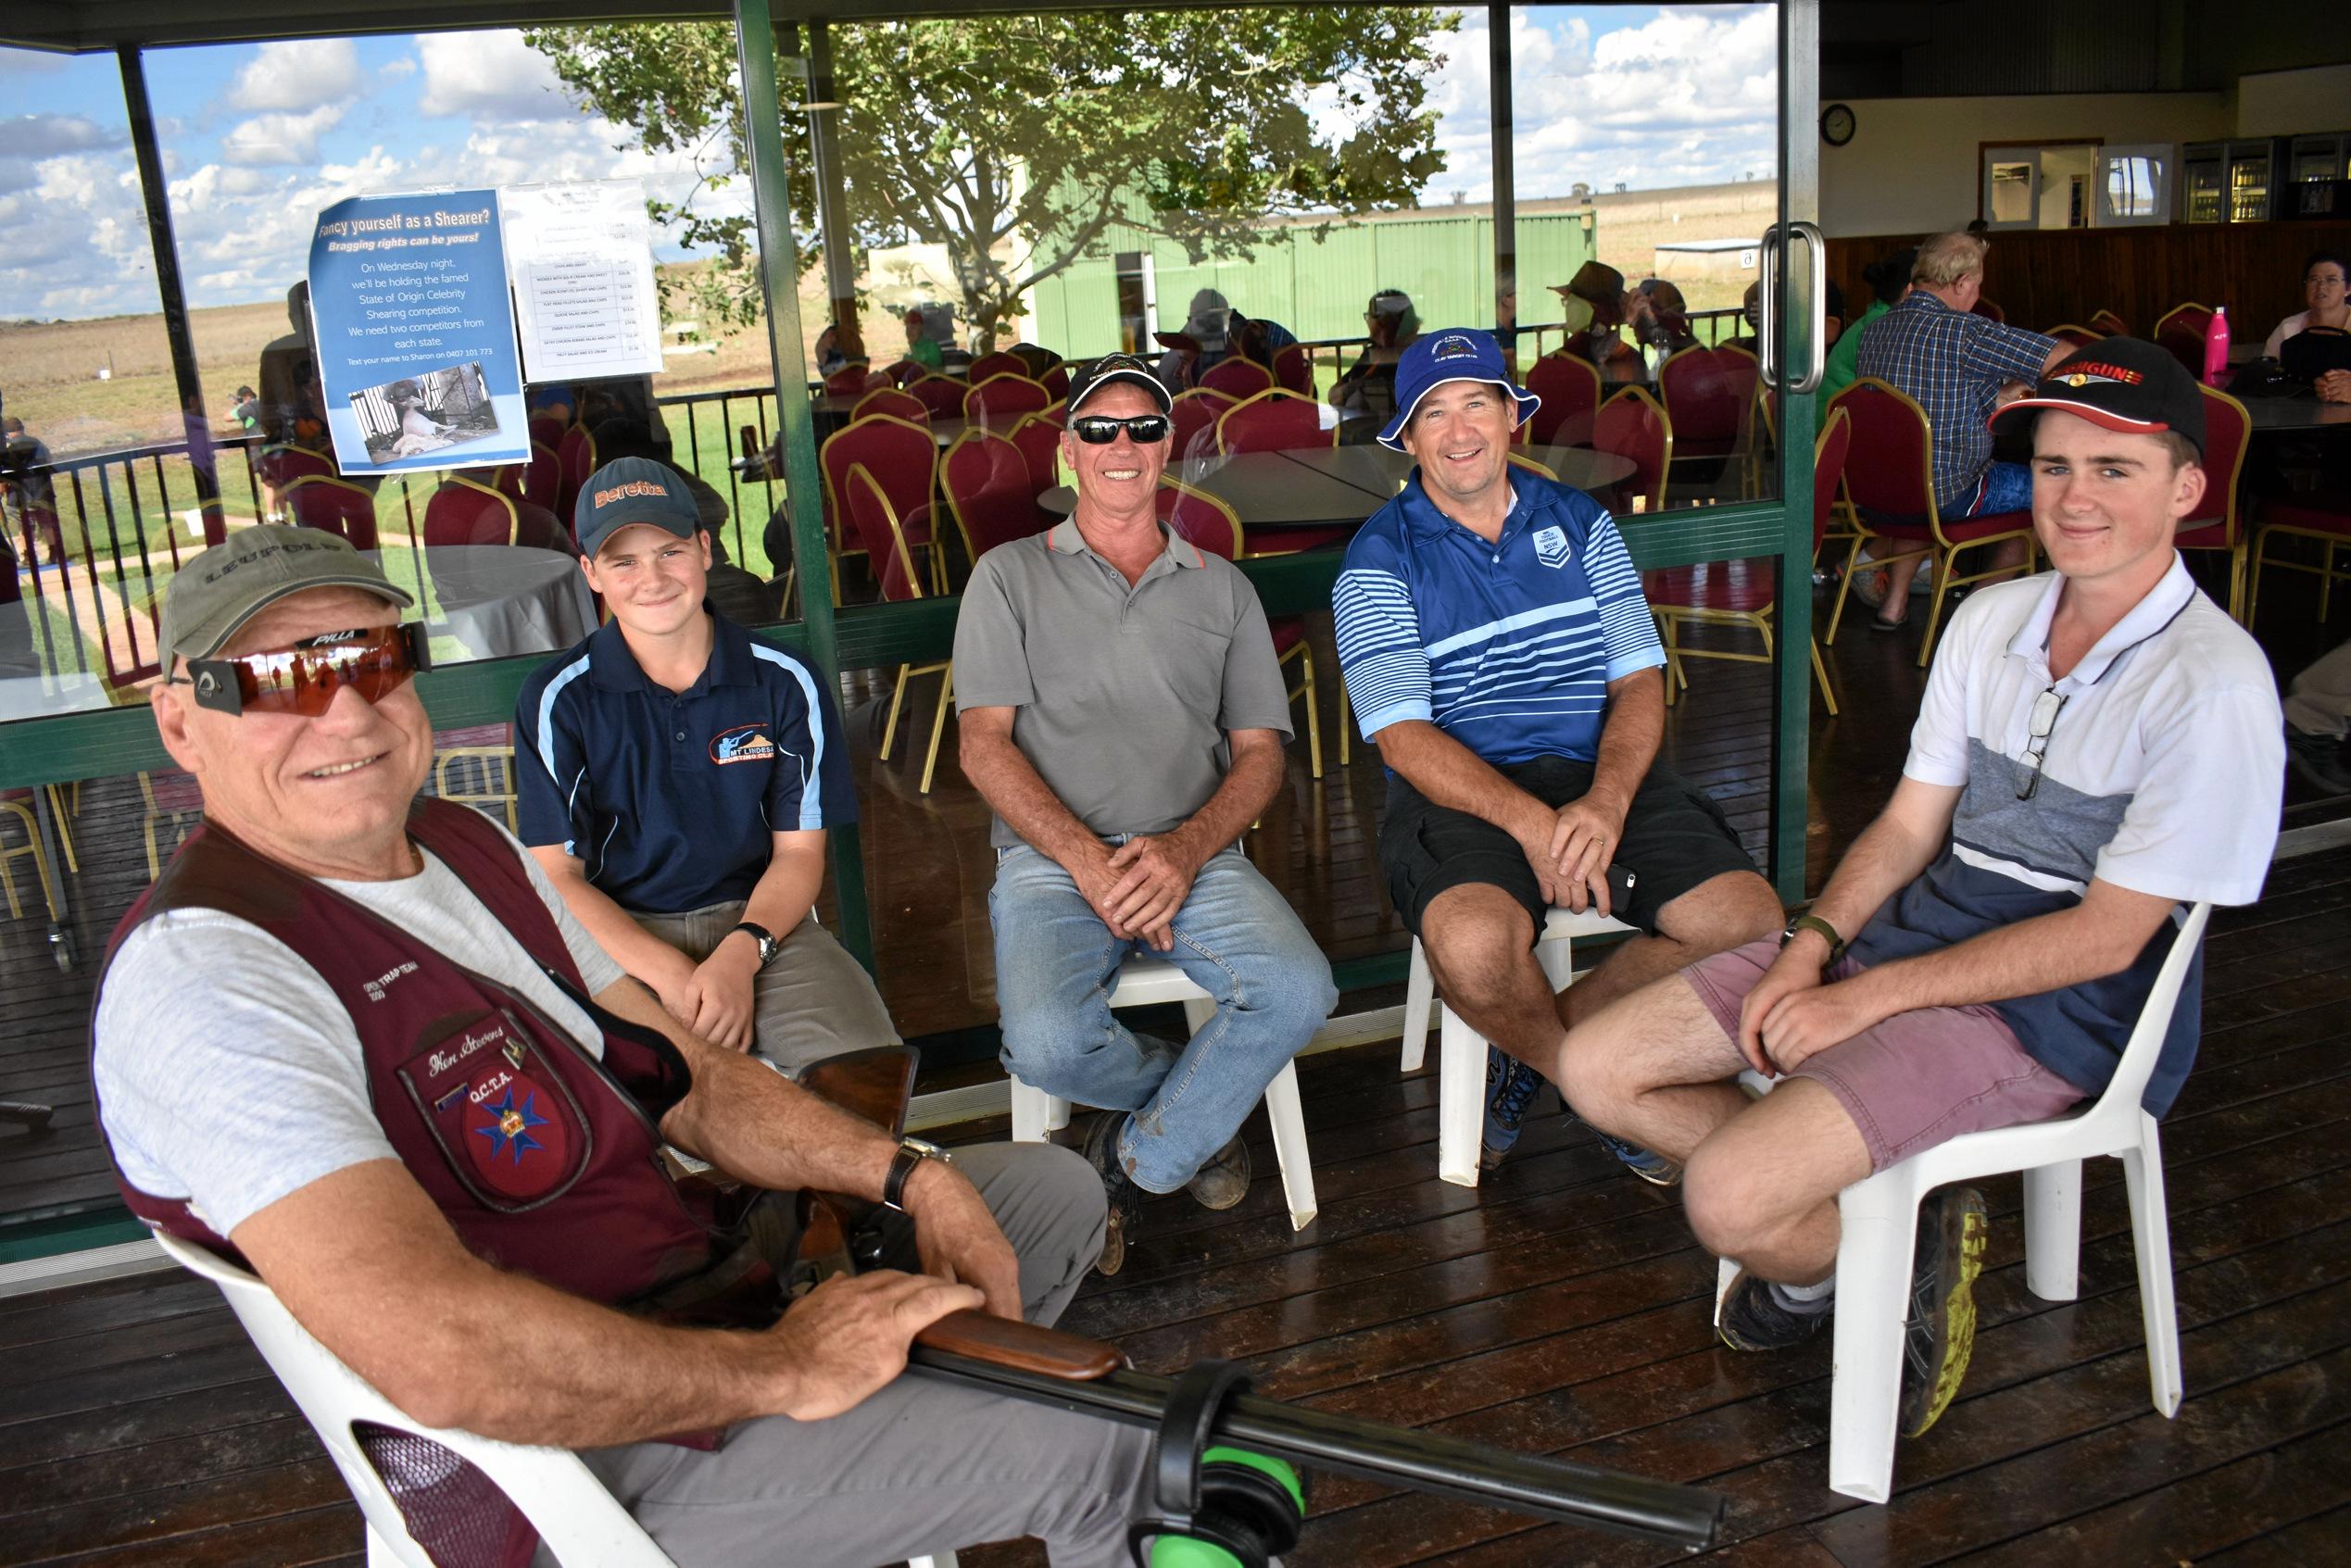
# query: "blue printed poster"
[[415, 332]]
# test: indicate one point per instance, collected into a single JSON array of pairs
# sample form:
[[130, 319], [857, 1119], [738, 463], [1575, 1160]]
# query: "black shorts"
[[1674, 838]]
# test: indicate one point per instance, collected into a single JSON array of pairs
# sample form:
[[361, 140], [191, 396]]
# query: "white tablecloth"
[[503, 600]]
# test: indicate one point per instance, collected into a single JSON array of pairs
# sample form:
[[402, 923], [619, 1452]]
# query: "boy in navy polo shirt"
[[677, 776], [2096, 747], [1498, 651]]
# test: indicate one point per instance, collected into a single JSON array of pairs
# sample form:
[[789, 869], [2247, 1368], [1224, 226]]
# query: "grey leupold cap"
[[227, 585]]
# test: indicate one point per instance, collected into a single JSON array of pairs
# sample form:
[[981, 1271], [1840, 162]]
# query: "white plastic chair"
[[1141, 983], [1461, 1062], [580, 1522], [1879, 1217]]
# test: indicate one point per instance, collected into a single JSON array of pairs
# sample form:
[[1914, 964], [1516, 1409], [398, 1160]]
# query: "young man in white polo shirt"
[[2096, 747]]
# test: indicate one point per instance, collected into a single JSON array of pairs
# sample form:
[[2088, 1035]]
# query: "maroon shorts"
[[1914, 1081]]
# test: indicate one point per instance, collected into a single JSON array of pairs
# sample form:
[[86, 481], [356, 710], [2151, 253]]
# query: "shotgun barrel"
[[1530, 1484]]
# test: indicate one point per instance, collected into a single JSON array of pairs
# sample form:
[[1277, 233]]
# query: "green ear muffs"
[[1216, 1507]]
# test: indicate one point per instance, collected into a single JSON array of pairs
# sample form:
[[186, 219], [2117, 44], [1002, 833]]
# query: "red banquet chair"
[[2111, 325], [1294, 369], [1000, 400], [903, 459], [1211, 524], [1709, 393], [1038, 441], [2325, 520], [2216, 523], [1237, 377], [897, 404], [1002, 362], [1890, 480], [466, 511], [332, 506], [874, 515], [547, 430], [1056, 381], [943, 395], [1742, 592], [2180, 331], [576, 453], [846, 382], [1569, 388], [990, 493], [539, 482], [1990, 311], [1273, 420], [1632, 425], [282, 464], [2079, 337], [1195, 416]]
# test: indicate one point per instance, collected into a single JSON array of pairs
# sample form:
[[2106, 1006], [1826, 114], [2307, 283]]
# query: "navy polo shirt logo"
[[1551, 547], [743, 743]]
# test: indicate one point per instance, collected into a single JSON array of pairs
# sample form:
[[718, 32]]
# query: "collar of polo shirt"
[[2152, 614], [1065, 539]]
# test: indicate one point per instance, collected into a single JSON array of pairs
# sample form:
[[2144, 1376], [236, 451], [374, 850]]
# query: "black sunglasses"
[[1101, 429]]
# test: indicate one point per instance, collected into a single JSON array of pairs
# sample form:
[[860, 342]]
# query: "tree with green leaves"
[[1020, 145]]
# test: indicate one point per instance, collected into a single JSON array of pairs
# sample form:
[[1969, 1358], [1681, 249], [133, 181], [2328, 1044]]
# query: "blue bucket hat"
[[1456, 354]]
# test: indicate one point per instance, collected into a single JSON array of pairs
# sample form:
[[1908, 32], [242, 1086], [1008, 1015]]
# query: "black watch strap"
[[911, 1153], [1827, 933]]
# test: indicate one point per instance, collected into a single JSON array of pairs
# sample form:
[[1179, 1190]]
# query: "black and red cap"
[[2124, 383]]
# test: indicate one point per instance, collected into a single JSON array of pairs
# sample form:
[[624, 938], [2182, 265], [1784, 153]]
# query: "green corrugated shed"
[[1318, 289]]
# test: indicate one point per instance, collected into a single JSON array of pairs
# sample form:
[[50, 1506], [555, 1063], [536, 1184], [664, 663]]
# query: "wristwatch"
[[769, 946], [1827, 933], [912, 1151]]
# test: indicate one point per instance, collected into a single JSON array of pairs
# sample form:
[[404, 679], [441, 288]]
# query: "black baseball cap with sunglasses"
[[220, 590]]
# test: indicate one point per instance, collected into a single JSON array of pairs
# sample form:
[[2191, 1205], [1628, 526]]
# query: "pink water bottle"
[[2216, 347]]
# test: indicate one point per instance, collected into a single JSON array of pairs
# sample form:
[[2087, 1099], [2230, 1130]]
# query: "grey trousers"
[[920, 1467], [812, 1002], [2319, 700]]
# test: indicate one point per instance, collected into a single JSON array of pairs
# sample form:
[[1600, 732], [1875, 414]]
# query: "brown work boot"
[[1122, 1195], [1223, 1180]]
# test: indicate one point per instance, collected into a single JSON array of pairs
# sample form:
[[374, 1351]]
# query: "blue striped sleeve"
[[1380, 655], [551, 769], [1627, 631], [809, 787]]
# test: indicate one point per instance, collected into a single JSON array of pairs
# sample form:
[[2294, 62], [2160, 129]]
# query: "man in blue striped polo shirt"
[[1498, 651]]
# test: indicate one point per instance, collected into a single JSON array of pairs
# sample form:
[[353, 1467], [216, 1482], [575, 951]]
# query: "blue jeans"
[[1235, 937], [2004, 487]]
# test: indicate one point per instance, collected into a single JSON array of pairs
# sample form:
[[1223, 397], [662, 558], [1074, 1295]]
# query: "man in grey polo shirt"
[[1123, 713]]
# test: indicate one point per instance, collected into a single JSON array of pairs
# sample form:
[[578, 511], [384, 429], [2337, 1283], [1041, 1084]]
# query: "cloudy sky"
[[258, 139]]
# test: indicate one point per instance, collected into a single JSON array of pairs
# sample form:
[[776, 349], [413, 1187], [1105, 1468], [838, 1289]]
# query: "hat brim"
[[1149, 382], [1390, 436], [2007, 418], [390, 593]]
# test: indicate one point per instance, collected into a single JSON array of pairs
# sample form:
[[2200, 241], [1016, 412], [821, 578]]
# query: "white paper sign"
[[580, 258]]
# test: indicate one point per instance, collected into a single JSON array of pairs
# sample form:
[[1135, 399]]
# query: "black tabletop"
[[2298, 413]]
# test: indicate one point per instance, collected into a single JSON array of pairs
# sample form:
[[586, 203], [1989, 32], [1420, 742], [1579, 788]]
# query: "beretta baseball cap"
[[1091, 377], [223, 587], [1456, 354], [2124, 383], [629, 490]]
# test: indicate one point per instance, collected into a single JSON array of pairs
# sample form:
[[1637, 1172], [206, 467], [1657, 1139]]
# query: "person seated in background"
[[2096, 745], [1212, 332], [1498, 651], [1367, 390], [1832, 321], [920, 347], [677, 776], [1594, 301], [1659, 318], [1889, 281], [2318, 714], [267, 1053], [1955, 365], [1122, 713], [288, 377], [2324, 302], [245, 411]]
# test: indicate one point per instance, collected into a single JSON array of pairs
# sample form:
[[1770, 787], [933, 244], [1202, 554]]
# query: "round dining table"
[[500, 600]]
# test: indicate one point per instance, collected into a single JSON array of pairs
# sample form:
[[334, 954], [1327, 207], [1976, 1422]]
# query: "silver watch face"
[[769, 947]]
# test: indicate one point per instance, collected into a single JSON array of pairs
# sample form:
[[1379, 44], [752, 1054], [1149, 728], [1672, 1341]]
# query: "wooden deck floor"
[[1562, 1306]]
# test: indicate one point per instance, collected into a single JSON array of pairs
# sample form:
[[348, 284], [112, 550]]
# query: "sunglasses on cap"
[[305, 678], [1101, 429]]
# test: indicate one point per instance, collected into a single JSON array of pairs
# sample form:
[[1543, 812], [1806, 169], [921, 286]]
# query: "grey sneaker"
[[1124, 1197], [2320, 760], [1223, 1179], [1753, 1319]]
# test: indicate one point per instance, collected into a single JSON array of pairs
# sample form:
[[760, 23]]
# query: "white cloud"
[[273, 139], [489, 76], [41, 135], [303, 74]]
